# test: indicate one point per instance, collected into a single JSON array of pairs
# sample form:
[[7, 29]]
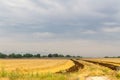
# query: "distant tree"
[[18, 56], [11, 55], [50, 55], [27, 55], [55, 55], [60, 55], [118, 56], [79, 56], [3, 55], [37, 55], [67, 56]]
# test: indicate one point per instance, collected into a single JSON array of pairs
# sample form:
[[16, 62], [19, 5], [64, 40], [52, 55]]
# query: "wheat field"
[[36, 65], [47, 69], [34, 69]]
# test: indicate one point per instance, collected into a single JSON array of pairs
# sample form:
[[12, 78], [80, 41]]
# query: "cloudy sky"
[[78, 27]]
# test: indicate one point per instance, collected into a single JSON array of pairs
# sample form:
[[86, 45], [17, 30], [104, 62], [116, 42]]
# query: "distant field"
[[117, 60], [114, 61], [35, 65]]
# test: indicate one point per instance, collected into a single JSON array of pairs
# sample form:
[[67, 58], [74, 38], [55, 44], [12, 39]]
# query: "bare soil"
[[74, 68], [113, 67]]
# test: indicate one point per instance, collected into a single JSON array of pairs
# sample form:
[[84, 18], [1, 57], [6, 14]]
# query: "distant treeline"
[[29, 55], [112, 57]]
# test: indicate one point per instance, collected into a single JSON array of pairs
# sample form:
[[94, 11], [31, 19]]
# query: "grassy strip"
[[16, 75]]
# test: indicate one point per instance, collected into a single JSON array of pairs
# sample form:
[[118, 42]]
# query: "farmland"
[[57, 69], [115, 61], [35, 65]]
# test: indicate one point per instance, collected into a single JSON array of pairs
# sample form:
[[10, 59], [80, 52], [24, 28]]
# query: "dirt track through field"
[[74, 68], [113, 67]]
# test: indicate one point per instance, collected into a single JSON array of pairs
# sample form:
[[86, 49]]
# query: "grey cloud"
[[54, 20]]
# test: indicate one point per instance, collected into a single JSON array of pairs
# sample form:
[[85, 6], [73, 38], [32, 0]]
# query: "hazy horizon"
[[78, 27]]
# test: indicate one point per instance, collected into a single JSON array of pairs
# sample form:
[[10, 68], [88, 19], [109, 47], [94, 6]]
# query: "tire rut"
[[113, 67], [74, 68]]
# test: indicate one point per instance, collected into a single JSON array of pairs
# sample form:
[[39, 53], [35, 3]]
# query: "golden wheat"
[[36, 65]]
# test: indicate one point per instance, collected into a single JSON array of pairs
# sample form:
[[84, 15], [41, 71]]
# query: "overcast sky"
[[78, 27]]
